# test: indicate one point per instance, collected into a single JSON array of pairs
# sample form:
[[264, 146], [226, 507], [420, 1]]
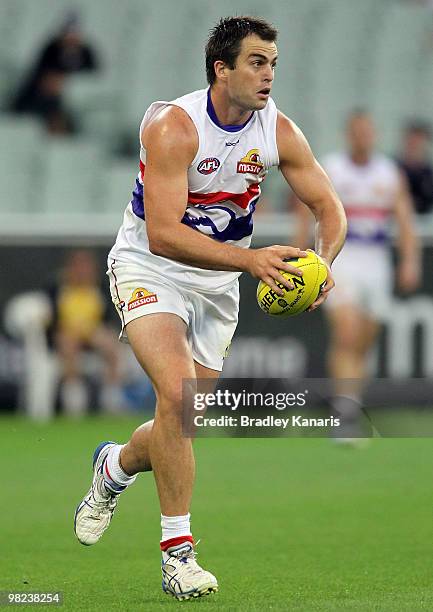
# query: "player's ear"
[[220, 70]]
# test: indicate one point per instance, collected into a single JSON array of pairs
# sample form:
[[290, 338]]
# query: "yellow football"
[[305, 292]]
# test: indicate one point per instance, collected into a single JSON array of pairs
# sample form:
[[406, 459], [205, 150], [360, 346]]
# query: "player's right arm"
[[304, 221], [171, 143]]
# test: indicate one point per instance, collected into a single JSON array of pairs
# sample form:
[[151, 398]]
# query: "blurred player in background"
[[79, 324], [174, 268], [373, 193], [415, 163]]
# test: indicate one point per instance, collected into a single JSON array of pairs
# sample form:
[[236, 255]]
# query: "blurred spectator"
[[79, 324], [41, 92], [415, 163]]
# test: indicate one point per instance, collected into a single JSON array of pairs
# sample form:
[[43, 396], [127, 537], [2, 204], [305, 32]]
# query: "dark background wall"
[[263, 345]]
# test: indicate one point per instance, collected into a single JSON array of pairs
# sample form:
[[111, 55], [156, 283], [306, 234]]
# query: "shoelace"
[[102, 506], [190, 555]]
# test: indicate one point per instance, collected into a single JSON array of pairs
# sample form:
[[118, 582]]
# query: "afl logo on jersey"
[[208, 165], [250, 163]]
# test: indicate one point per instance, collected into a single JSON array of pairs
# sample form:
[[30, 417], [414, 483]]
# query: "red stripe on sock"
[[176, 541], [108, 473]]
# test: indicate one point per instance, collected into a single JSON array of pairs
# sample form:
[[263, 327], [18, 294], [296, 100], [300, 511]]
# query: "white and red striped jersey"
[[368, 193], [223, 188]]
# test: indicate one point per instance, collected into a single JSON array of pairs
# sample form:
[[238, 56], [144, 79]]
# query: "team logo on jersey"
[[208, 165], [141, 297], [251, 163]]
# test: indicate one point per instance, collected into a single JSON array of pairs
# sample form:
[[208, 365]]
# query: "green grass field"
[[285, 524]]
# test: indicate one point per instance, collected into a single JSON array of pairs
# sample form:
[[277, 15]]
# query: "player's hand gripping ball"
[[306, 288]]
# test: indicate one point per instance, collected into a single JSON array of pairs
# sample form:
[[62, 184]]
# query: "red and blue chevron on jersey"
[[224, 185], [368, 193]]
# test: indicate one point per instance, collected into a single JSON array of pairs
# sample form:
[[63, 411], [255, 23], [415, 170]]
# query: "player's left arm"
[[409, 255], [313, 187]]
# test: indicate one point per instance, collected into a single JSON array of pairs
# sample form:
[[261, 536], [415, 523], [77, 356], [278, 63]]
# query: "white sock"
[[74, 397], [115, 477], [111, 399], [347, 406], [175, 526]]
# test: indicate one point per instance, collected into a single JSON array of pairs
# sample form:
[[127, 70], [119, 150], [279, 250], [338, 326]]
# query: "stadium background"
[[57, 193]]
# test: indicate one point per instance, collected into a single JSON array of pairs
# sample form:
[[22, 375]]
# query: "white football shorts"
[[364, 278], [211, 318]]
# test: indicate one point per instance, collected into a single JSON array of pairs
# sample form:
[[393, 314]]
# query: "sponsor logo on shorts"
[[250, 163], [208, 165], [141, 297]]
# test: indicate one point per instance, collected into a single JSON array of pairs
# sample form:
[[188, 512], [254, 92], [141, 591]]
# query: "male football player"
[[174, 268], [374, 194]]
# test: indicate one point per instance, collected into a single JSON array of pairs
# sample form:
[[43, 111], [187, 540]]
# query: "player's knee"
[[170, 398], [346, 338]]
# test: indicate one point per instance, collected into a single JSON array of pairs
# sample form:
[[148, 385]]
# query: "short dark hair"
[[225, 40], [418, 126], [359, 112]]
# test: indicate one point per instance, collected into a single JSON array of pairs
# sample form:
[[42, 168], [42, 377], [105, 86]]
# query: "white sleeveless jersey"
[[223, 189], [368, 193]]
